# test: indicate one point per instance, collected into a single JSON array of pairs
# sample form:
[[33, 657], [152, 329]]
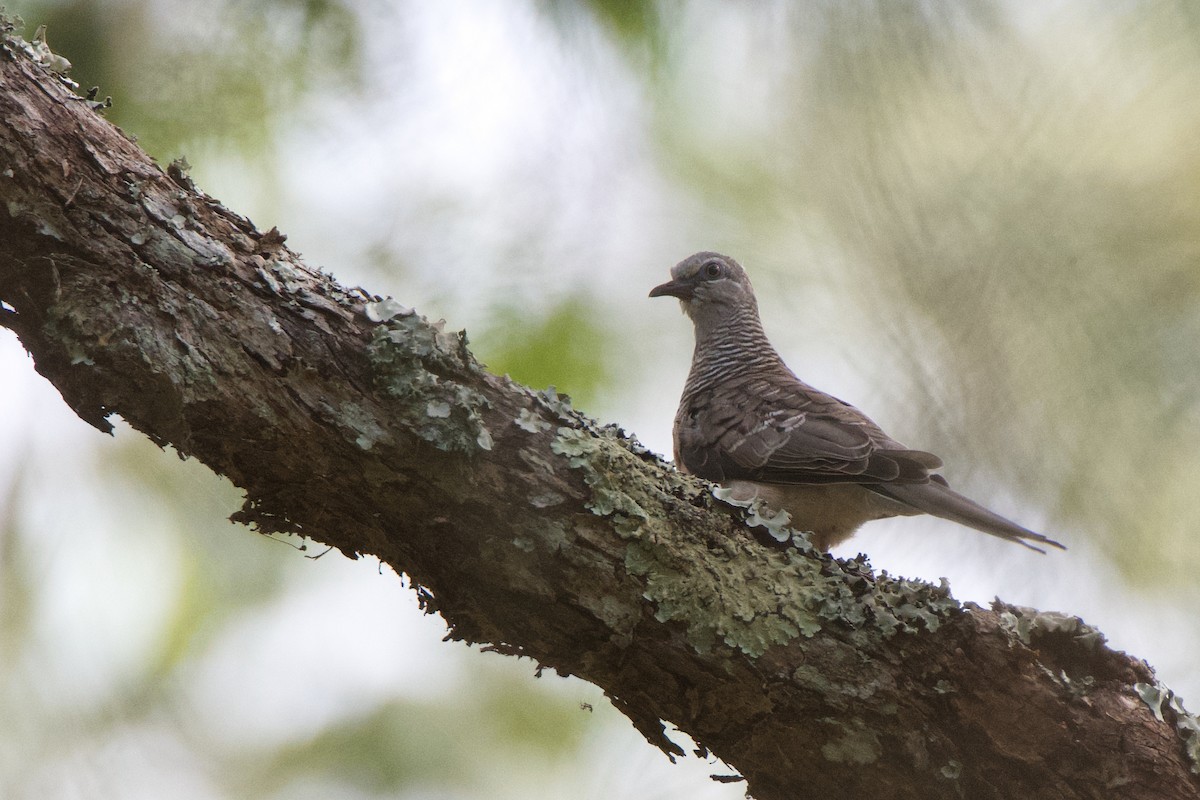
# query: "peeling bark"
[[528, 527]]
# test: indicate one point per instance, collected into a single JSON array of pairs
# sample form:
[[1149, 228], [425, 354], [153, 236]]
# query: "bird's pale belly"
[[832, 512]]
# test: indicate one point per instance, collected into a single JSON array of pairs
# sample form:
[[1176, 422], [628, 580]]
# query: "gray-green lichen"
[[737, 596], [416, 363], [560, 405], [1078, 686], [723, 597], [730, 591], [849, 696], [367, 429], [546, 498], [760, 515], [36, 48], [1188, 727], [1157, 696], [1028, 624], [902, 603], [1153, 695], [857, 744], [550, 535], [529, 421], [386, 309], [605, 465]]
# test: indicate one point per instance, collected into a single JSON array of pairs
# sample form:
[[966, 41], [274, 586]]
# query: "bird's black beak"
[[680, 289]]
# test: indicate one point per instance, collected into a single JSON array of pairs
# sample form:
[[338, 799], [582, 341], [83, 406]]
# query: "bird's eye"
[[712, 270]]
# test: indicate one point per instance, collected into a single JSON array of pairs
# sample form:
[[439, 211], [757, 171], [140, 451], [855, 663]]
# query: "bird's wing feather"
[[779, 433]]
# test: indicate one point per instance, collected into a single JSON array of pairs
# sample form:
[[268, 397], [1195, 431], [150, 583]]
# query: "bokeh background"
[[978, 221]]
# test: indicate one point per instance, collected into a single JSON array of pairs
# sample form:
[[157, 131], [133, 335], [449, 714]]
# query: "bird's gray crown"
[[707, 265]]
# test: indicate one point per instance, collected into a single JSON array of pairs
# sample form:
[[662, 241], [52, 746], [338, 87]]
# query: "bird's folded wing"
[[799, 436]]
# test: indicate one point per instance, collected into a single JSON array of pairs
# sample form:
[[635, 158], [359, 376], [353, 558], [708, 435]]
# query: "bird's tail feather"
[[942, 501]]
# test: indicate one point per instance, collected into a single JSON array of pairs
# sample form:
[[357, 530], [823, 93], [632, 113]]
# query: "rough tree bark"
[[528, 527]]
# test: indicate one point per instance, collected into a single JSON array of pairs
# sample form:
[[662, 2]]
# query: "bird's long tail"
[[942, 501]]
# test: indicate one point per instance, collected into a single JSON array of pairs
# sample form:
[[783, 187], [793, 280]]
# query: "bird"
[[747, 422]]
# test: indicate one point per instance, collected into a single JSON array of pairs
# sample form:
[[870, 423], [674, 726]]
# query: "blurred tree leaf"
[[633, 21], [568, 347], [456, 741], [185, 73]]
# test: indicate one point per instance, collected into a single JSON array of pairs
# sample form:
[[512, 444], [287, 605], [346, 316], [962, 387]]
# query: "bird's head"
[[710, 287]]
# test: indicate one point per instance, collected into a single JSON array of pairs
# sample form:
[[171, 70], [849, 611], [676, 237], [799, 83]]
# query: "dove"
[[747, 422]]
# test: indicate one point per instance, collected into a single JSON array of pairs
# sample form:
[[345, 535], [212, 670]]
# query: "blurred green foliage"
[[186, 73], [568, 348], [463, 741]]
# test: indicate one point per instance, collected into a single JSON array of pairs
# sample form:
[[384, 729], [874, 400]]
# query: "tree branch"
[[527, 526]]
